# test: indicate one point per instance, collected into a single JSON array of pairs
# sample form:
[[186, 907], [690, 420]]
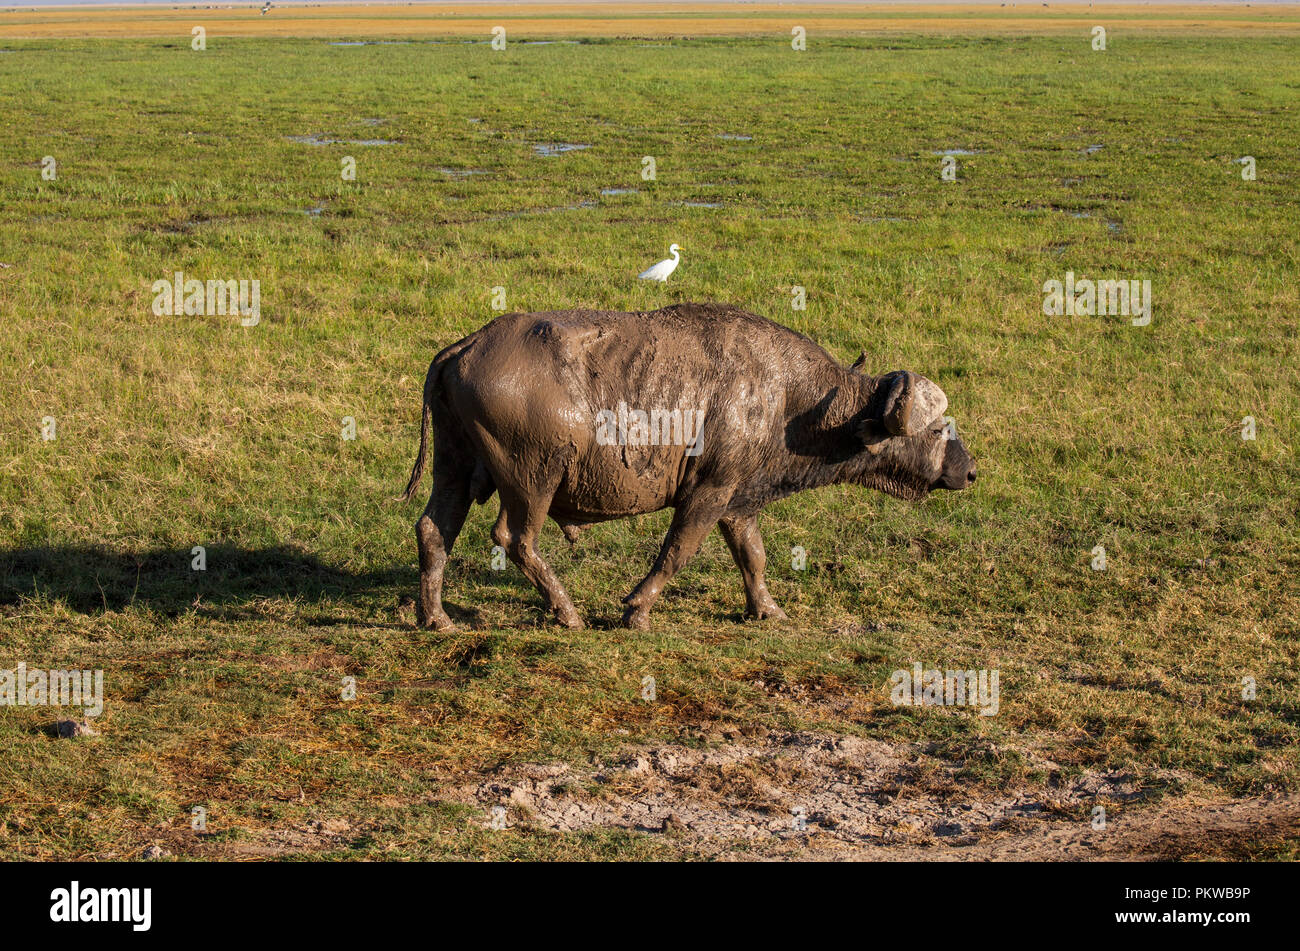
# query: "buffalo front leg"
[[692, 521], [746, 544], [435, 533], [517, 529]]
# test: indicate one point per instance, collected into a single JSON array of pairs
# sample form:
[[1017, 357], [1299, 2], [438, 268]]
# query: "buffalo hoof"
[[638, 619], [436, 622], [768, 612], [570, 619]]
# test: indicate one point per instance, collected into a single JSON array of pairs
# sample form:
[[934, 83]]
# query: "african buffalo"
[[585, 416]]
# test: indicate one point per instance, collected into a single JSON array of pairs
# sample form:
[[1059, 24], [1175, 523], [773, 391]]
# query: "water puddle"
[[957, 152], [321, 140], [548, 149], [698, 204], [460, 174], [1112, 225], [1093, 149], [618, 191], [736, 137], [540, 211]]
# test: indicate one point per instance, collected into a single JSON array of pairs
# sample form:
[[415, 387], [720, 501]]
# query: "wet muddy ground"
[[804, 795]]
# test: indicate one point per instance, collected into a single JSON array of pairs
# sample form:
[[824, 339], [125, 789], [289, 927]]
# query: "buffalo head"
[[909, 449]]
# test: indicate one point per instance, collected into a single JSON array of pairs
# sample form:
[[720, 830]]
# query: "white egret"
[[665, 267]]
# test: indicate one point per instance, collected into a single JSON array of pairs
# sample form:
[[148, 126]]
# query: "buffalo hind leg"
[[435, 533], [692, 520], [517, 529], [746, 544]]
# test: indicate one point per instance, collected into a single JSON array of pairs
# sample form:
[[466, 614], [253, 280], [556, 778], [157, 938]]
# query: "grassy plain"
[[224, 686]]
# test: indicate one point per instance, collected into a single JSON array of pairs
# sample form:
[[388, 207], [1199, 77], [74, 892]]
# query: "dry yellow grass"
[[646, 20]]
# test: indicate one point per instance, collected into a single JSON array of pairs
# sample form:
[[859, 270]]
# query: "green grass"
[[224, 687]]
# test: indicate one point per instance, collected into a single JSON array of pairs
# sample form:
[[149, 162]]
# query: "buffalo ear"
[[868, 431], [859, 363], [910, 403]]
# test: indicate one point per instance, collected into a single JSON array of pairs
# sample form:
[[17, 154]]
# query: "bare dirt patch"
[[474, 22], [862, 799]]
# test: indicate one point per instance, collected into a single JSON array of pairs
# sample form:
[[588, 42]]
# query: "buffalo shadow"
[[95, 578]]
